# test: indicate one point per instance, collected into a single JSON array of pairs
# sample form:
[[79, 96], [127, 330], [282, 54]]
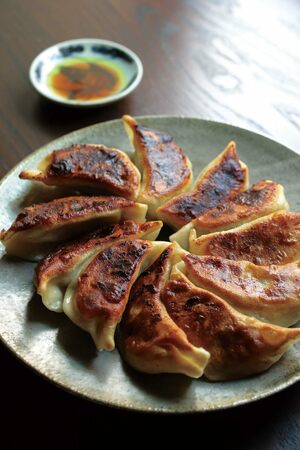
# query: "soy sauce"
[[84, 80]]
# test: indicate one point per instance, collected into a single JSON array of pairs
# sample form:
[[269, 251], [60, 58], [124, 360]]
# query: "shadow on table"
[[61, 119]]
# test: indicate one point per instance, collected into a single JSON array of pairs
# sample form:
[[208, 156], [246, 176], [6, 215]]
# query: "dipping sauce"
[[88, 79]]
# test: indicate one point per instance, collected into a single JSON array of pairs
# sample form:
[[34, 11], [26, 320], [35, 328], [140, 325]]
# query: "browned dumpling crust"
[[166, 170], [273, 239], [100, 168], [58, 268], [150, 341], [269, 293], [63, 257], [42, 224], [222, 179], [65, 209], [96, 300], [263, 198], [103, 286], [239, 345]]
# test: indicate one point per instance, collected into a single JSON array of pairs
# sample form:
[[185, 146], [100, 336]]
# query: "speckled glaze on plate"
[[58, 350]]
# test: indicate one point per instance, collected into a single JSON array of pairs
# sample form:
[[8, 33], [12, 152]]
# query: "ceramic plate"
[[64, 354]]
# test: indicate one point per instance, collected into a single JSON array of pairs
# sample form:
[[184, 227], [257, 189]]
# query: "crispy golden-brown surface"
[[39, 227], [273, 239], [166, 170], [151, 341], [57, 269], [63, 258], [144, 298], [239, 345], [88, 165], [270, 293], [65, 209], [96, 300], [261, 199], [223, 178], [104, 285]]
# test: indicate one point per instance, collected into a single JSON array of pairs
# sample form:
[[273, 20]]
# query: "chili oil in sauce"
[[85, 79]]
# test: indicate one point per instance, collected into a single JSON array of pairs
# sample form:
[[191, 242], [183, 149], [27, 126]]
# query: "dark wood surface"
[[231, 61]]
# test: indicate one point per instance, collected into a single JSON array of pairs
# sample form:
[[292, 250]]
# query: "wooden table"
[[234, 61]]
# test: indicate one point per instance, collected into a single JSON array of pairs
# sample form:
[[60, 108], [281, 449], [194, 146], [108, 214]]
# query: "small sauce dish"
[[86, 72]]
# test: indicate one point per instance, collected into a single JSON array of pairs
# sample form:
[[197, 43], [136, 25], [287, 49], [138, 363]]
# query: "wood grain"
[[234, 61]]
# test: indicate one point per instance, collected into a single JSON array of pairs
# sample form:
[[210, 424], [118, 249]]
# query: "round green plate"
[[57, 349]]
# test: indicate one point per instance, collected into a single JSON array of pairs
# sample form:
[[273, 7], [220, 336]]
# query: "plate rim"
[[128, 406]]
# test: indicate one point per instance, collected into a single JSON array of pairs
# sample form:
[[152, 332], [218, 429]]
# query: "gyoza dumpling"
[[238, 345], [39, 227], [166, 171], [261, 199], [222, 179], [97, 299], [269, 293], [273, 239], [57, 269], [96, 167], [150, 340]]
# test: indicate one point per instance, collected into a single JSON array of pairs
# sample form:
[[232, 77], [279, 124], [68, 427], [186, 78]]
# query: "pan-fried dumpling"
[[150, 341], [57, 269], [273, 239], [97, 299], [222, 179], [166, 171], [38, 227], [238, 345], [261, 199], [95, 167], [269, 293]]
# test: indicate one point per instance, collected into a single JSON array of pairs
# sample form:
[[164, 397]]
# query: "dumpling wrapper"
[[263, 198], [166, 171], [55, 272], [239, 345], [150, 341], [272, 239], [269, 293], [220, 180], [94, 167], [97, 299], [39, 227]]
